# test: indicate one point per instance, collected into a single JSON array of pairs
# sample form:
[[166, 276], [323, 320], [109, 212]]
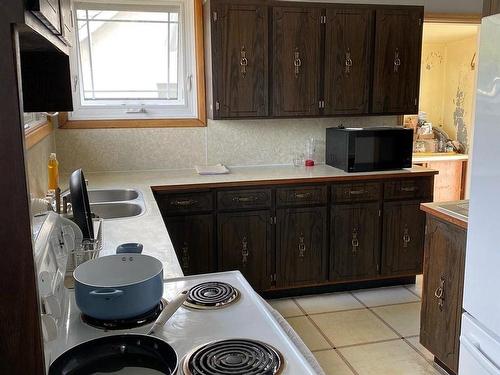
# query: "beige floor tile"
[[328, 302], [405, 319], [286, 307], [352, 327], [385, 296], [331, 363], [416, 343], [308, 333], [417, 287], [387, 358]]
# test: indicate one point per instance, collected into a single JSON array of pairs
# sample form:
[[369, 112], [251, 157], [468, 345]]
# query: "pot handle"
[[168, 311], [107, 293], [130, 248]]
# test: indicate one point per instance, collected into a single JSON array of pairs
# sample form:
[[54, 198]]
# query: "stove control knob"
[[49, 327], [52, 306]]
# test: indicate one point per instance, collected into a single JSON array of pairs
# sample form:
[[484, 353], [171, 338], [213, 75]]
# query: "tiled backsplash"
[[242, 142]]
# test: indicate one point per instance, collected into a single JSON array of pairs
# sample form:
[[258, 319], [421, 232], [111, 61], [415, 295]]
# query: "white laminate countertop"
[[426, 158], [149, 228]]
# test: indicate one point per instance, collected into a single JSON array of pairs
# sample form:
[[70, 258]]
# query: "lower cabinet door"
[[403, 238], [244, 241], [355, 249], [301, 246], [443, 291], [193, 240]]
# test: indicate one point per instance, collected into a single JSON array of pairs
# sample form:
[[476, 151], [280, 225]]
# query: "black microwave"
[[369, 149]]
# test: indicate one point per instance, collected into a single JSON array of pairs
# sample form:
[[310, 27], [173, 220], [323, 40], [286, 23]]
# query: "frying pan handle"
[[106, 293], [129, 248], [167, 312]]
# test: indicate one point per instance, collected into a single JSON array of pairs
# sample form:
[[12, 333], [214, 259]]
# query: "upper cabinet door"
[[296, 61], [241, 61], [48, 12], [67, 25], [348, 56], [398, 39]]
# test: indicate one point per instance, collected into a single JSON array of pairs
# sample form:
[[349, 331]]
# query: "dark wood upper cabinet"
[[403, 238], [296, 69], [48, 12], [67, 24], [240, 60], [396, 72], [193, 240], [491, 7], [354, 242], [300, 246], [348, 57], [244, 243]]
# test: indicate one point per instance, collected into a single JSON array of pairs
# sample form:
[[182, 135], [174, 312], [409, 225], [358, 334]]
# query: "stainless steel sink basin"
[[116, 210], [112, 195]]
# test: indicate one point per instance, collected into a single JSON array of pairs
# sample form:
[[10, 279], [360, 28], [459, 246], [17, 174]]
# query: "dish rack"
[[87, 250]]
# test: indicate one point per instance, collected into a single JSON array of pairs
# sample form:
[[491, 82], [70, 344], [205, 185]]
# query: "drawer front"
[[299, 196], [180, 203], [360, 192], [408, 189], [241, 199]]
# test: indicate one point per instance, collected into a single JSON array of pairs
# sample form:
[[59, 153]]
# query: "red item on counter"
[[309, 163]]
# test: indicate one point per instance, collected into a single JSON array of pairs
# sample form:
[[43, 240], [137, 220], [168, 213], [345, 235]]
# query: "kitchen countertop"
[[149, 228], [425, 157], [456, 212]]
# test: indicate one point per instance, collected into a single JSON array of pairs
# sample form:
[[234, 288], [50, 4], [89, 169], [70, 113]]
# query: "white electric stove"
[[223, 312]]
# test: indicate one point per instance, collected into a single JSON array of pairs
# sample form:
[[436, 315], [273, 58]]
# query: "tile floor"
[[364, 332]]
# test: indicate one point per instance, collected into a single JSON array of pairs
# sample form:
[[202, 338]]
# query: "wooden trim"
[[432, 210], [36, 135], [200, 121], [466, 18]]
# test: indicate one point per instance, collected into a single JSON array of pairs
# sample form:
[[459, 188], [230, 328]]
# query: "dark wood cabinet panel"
[[48, 12], [240, 62], [443, 290], [354, 241], [348, 57], [403, 238], [300, 246], [185, 203], [357, 192], [296, 61], [67, 26], [244, 243], [301, 196], [244, 199], [193, 240], [491, 7], [398, 39]]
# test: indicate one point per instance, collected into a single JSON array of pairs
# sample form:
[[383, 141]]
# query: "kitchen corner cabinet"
[[273, 59], [396, 71], [442, 295], [296, 61]]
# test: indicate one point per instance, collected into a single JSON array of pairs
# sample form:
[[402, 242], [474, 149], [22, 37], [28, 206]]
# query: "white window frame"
[[143, 109]]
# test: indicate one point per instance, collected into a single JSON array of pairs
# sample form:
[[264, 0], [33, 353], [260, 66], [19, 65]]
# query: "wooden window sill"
[[129, 123], [36, 135]]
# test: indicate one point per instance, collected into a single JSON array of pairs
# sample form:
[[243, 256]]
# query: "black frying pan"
[[80, 204], [123, 353]]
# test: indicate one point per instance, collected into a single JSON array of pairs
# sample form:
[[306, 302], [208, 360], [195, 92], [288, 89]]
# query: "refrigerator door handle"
[[474, 349]]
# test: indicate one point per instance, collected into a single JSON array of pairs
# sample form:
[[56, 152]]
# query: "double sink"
[[116, 203]]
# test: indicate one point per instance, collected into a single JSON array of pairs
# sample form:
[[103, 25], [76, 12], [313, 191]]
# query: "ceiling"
[[448, 32]]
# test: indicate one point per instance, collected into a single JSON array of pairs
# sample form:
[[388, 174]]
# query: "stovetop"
[[188, 329]]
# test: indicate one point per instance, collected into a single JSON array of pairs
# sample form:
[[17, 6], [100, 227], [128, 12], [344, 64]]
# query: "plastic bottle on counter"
[[53, 169]]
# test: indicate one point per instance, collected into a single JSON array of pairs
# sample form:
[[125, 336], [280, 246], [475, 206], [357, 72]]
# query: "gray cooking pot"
[[118, 286]]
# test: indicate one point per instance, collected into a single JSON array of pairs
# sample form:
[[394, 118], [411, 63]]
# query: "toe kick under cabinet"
[[287, 238]]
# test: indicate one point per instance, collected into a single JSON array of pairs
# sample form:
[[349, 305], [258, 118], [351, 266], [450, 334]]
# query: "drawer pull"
[[302, 195], [355, 241], [185, 257], [440, 294], [245, 199], [409, 189], [183, 202], [244, 251], [406, 237], [243, 61], [357, 192], [302, 246]]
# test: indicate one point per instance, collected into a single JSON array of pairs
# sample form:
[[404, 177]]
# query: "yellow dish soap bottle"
[[53, 168]]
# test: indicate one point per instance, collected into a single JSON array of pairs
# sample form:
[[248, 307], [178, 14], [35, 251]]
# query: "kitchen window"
[[134, 62]]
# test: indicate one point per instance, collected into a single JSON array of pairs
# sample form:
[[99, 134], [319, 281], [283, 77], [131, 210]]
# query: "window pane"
[[129, 55]]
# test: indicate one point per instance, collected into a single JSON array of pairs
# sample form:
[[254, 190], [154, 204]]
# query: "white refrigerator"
[[480, 334]]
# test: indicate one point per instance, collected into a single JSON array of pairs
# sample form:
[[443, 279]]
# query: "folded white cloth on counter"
[[211, 169]]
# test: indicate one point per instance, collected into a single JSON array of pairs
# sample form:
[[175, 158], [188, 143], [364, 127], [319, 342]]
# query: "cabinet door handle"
[[297, 62], [409, 188], [243, 61], [183, 202], [357, 192], [302, 246], [245, 199], [244, 251], [406, 237], [348, 61], [440, 293], [355, 241], [397, 61], [302, 195], [185, 256]]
